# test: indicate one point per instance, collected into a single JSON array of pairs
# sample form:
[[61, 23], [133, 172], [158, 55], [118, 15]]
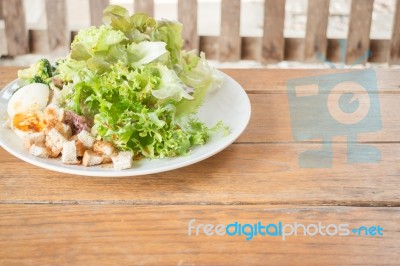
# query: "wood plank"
[[251, 48], [317, 24], [15, 28], [146, 6], [274, 125], [158, 235], [379, 51], [241, 174], [294, 49], [273, 41], [359, 30], [395, 43], [335, 53], [3, 37], [229, 41], [265, 153], [96, 11], [39, 41], [187, 15], [209, 45], [273, 81], [57, 27], [3, 43]]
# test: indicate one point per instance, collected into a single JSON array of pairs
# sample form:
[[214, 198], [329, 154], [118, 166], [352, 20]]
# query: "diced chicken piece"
[[55, 141], [80, 149], [105, 148], [33, 138], [39, 150], [69, 153], [86, 138], [91, 158], [123, 160]]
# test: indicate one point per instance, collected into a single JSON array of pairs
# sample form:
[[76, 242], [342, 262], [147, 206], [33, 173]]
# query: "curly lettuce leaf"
[[171, 86], [144, 52], [131, 78], [200, 76]]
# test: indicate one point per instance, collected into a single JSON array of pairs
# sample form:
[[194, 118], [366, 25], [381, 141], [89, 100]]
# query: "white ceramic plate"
[[230, 104]]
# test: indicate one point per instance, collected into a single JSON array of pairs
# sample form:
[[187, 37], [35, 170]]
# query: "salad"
[[126, 90]]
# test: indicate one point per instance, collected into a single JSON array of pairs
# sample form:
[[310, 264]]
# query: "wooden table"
[[52, 218]]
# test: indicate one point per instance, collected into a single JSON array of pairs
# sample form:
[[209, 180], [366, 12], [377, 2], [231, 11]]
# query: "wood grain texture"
[[229, 40], [317, 24], [158, 235], [395, 42], [50, 218], [251, 48], [3, 43], [39, 41], [242, 174], [15, 28], [57, 27], [210, 46], [96, 11], [3, 37], [146, 6], [273, 41], [359, 29], [379, 51], [187, 15], [294, 49]]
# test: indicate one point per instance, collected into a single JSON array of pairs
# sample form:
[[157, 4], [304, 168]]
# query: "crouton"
[[69, 153], [33, 138], [91, 158], [80, 149], [64, 129], [107, 160], [103, 147], [86, 138], [39, 150], [55, 141], [54, 112], [123, 160]]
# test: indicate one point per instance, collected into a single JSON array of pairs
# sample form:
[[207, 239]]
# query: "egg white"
[[31, 97]]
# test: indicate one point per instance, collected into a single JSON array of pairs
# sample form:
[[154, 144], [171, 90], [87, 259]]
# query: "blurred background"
[[209, 21]]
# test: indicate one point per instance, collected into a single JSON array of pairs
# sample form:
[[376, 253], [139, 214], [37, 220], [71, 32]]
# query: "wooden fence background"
[[16, 39]]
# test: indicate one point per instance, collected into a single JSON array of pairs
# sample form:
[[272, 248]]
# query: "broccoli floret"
[[37, 79], [40, 72]]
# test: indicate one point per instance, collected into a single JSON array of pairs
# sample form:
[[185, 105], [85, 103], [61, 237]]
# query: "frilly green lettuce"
[[131, 77]]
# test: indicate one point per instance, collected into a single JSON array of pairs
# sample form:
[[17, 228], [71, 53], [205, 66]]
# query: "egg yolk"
[[29, 122]]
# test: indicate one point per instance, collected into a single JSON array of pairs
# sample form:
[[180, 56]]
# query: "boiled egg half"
[[25, 108]]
